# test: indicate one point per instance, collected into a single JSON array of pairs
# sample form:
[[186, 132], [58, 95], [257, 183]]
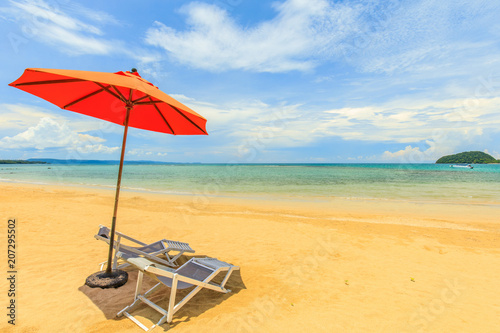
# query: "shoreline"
[[251, 196], [427, 213]]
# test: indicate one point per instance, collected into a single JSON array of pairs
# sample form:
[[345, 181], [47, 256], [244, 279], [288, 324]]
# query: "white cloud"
[[133, 152], [409, 155], [18, 116], [50, 134], [62, 25], [404, 122], [145, 153], [50, 24], [41, 11], [47, 133], [86, 137], [495, 154], [429, 128], [438, 142], [182, 98], [90, 13], [100, 149], [439, 38], [290, 41]]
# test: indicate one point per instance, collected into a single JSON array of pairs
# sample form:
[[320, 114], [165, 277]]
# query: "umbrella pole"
[[117, 195]]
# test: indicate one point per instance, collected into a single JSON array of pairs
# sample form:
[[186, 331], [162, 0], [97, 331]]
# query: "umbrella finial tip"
[[133, 70]]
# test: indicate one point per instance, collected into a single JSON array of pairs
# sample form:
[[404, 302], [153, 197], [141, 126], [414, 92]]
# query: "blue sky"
[[284, 81]]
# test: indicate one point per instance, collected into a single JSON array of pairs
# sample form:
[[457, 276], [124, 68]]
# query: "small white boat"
[[468, 166]]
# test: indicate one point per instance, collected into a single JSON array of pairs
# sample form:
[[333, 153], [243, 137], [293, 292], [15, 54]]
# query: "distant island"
[[21, 162], [84, 162], [469, 157], [97, 162]]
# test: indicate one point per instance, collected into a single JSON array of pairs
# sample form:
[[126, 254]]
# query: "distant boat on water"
[[468, 166]]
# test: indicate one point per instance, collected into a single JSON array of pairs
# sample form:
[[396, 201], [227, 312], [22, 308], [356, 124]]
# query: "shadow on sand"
[[111, 301]]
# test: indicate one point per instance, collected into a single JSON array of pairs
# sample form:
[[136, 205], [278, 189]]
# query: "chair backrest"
[[128, 252], [191, 270], [153, 247], [194, 270]]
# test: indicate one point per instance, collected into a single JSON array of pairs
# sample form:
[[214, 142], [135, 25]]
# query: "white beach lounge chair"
[[150, 251], [197, 273]]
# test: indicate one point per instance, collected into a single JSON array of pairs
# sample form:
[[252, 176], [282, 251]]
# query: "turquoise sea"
[[415, 182]]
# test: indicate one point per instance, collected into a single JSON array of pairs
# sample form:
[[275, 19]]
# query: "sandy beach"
[[331, 265]]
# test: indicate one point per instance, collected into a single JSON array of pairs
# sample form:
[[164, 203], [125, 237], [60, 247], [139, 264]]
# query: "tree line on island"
[[468, 157], [21, 162], [85, 162]]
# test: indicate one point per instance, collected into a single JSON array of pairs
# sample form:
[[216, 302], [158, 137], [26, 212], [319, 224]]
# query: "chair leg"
[[171, 301], [185, 299], [137, 294], [172, 307], [142, 298], [162, 321], [173, 259], [138, 287]]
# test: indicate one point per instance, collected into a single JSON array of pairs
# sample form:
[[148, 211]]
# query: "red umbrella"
[[123, 98]]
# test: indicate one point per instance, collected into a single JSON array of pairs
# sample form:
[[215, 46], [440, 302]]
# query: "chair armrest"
[[131, 239], [104, 239]]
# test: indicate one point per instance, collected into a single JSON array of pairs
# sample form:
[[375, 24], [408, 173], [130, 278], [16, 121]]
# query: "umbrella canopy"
[[106, 96], [123, 98]]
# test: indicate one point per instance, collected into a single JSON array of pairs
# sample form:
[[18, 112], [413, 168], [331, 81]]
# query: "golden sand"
[[335, 265]]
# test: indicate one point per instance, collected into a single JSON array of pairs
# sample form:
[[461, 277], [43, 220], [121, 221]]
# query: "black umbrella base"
[[115, 279]]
